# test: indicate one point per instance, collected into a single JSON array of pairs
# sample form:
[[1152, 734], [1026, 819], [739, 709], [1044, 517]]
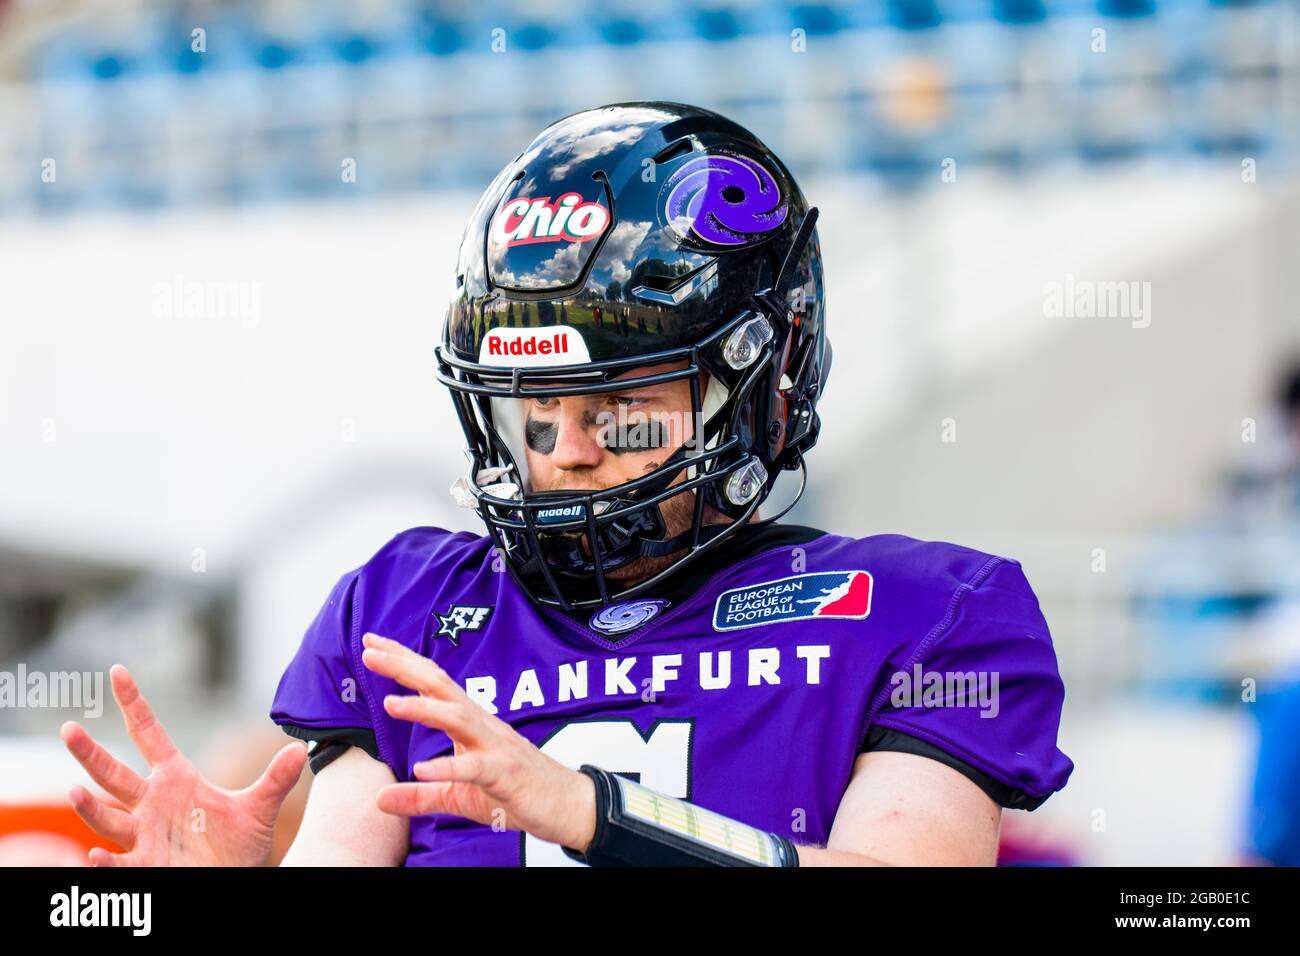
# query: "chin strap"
[[667, 546], [659, 549]]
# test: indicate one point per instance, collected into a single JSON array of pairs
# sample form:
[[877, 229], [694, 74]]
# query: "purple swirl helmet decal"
[[621, 618], [724, 200]]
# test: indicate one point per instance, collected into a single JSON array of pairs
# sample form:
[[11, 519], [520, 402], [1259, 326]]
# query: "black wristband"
[[636, 826]]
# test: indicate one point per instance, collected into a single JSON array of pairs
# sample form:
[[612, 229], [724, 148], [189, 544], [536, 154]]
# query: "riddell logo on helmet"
[[531, 348], [522, 221]]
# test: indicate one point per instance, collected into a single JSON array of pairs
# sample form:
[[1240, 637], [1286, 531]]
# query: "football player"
[[632, 667]]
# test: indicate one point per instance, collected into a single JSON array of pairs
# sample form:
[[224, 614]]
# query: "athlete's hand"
[[154, 818], [495, 775]]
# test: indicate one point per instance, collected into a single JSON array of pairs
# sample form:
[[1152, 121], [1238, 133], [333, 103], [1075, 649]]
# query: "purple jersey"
[[749, 688]]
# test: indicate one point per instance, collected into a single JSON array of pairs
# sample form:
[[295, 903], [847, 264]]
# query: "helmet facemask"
[[567, 547]]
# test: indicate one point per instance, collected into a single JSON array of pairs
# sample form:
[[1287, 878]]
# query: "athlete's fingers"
[[113, 802], [101, 857], [415, 799], [277, 780], [108, 822], [381, 643], [457, 720], [466, 769], [106, 770], [423, 665], [141, 723], [418, 675], [409, 669]]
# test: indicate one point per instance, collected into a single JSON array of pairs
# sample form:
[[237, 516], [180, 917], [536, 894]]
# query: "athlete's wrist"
[[582, 801], [636, 826]]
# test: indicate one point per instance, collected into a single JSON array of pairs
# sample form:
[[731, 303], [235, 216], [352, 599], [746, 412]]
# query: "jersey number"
[[660, 759]]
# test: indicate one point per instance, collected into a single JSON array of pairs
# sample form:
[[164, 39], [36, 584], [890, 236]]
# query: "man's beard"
[[678, 513]]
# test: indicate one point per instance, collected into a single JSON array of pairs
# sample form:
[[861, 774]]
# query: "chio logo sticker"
[[522, 221]]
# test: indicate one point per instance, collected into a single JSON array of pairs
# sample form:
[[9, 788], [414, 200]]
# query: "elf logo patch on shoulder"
[[462, 617], [801, 597]]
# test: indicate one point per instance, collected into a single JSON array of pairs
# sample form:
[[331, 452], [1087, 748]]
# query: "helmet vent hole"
[[679, 148], [661, 283]]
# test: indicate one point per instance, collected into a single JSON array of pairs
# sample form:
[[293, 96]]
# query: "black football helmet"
[[635, 235]]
